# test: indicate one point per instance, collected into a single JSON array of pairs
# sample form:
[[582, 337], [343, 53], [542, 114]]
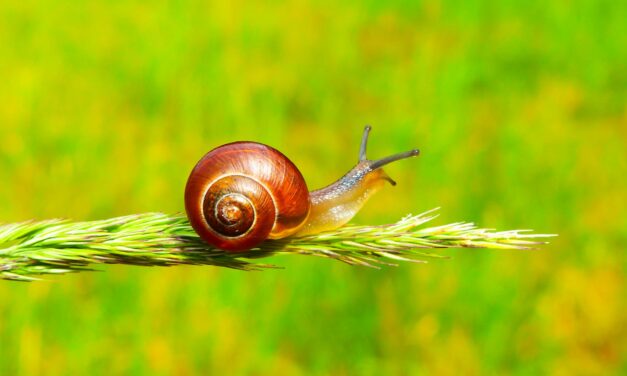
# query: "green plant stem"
[[29, 249]]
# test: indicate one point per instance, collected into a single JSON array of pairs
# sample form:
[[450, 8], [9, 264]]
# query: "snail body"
[[243, 193]]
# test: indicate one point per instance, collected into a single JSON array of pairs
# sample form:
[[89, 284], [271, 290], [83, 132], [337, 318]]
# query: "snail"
[[243, 193]]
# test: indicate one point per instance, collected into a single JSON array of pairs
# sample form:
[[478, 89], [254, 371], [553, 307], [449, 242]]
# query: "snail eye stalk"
[[393, 158], [383, 161], [364, 143]]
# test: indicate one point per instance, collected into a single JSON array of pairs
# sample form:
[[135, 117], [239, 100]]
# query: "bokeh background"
[[519, 108]]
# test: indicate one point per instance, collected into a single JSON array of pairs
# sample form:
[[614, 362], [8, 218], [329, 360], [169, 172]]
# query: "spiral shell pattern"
[[242, 193]]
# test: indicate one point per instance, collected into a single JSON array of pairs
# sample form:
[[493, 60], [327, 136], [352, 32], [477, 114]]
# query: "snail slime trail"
[[242, 193]]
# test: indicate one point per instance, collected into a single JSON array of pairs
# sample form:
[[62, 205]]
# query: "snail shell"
[[242, 193]]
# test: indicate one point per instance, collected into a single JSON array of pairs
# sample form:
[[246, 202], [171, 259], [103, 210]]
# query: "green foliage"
[[518, 108], [155, 239]]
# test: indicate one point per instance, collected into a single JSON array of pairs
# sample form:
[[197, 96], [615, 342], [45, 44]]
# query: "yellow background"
[[519, 108]]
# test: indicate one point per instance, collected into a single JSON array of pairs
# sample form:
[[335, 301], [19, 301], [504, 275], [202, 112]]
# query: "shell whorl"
[[242, 193]]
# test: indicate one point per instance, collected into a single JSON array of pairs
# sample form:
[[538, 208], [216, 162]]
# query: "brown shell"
[[242, 193]]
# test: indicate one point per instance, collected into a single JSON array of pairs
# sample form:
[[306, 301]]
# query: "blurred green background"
[[519, 108]]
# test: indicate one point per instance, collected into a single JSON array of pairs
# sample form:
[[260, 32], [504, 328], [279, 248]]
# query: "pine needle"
[[29, 249]]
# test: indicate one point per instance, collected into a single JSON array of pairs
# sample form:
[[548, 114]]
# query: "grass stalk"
[[30, 249]]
